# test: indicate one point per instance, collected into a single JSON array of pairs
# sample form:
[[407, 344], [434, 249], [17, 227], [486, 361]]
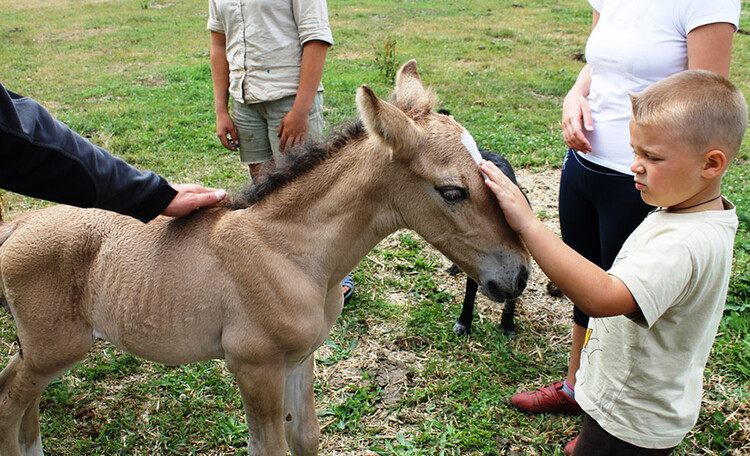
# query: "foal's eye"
[[452, 195]]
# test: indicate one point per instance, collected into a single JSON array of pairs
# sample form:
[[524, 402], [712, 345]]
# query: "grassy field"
[[134, 77]]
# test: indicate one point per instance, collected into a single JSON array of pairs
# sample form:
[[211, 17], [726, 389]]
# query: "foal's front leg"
[[302, 426], [262, 390]]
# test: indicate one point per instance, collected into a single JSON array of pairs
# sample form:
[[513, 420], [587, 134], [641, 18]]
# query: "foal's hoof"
[[461, 329], [453, 270], [509, 332]]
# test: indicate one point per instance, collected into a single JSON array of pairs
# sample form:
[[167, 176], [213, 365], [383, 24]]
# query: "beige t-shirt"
[[641, 377], [264, 43]]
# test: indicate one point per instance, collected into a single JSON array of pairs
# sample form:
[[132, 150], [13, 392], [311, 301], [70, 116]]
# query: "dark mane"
[[298, 162]]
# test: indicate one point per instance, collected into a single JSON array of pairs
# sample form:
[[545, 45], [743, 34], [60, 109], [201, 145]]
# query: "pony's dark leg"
[[508, 321], [453, 270], [463, 325]]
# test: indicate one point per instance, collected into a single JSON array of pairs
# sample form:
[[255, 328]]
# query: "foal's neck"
[[333, 215]]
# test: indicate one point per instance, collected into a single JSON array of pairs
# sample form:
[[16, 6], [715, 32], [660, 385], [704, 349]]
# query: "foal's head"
[[438, 188]]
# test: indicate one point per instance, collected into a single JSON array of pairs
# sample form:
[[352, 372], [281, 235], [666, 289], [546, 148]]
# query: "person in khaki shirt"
[[269, 57]]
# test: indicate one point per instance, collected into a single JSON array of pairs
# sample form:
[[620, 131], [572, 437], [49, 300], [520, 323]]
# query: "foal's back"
[[82, 274]]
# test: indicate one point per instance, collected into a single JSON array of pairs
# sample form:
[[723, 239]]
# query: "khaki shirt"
[[264, 43]]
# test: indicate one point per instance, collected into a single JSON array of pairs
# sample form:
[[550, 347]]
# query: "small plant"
[[385, 59]]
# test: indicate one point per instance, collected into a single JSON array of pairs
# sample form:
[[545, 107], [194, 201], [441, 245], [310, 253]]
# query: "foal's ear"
[[388, 123], [410, 93]]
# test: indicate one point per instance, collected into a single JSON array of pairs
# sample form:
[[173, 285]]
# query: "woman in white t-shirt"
[[632, 44]]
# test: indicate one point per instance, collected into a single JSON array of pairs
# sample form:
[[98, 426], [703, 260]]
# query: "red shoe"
[[544, 400], [571, 446]]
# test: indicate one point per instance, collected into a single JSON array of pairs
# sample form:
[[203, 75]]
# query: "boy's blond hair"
[[698, 108]]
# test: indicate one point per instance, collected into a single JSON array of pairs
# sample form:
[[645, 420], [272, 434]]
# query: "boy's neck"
[[714, 203], [708, 199]]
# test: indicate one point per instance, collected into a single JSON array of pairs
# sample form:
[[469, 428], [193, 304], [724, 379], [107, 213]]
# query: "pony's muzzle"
[[507, 279], [504, 290]]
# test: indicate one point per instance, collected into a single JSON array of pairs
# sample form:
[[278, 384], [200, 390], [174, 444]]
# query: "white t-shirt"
[[264, 43], [641, 377], [634, 44]]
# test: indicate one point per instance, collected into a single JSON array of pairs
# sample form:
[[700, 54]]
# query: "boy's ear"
[[714, 164]]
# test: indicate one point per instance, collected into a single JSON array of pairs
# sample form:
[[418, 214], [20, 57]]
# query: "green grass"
[[134, 77]]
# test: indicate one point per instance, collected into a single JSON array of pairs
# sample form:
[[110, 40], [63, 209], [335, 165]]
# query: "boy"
[[658, 308], [269, 56]]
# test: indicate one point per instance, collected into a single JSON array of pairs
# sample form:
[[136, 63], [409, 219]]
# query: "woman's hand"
[[576, 116]]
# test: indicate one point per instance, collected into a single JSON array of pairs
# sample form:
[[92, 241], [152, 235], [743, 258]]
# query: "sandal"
[[348, 282]]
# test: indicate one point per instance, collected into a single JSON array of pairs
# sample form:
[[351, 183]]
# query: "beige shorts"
[[257, 125]]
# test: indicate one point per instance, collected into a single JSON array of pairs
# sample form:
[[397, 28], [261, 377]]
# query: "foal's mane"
[[298, 162]]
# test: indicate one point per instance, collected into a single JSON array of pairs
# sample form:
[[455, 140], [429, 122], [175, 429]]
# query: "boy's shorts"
[[257, 126]]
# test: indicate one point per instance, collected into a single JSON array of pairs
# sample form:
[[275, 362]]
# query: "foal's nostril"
[[522, 279], [496, 291]]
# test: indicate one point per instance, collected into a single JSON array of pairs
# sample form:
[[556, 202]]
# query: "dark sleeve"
[[43, 158]]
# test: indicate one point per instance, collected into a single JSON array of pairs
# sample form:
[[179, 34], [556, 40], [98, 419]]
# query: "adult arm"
[[220, 76], [294, 125], [710, 47], [590, 288], [576, 114], [41, 157]]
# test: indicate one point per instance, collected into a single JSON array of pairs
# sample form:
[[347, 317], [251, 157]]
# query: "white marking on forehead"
[[468, 141]]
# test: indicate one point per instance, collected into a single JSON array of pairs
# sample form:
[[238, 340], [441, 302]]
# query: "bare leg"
[[579, 335], [302, 427], [255, 173]]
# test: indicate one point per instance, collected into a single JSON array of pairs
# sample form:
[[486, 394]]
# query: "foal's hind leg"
[[46, 355], [301, 422], [19, 402], [21, 387]]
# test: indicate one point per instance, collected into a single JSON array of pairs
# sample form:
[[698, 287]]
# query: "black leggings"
[[595, 441], [599, 208]]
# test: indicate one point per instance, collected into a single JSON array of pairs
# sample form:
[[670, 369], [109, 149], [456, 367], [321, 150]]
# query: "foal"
[[214, 284]]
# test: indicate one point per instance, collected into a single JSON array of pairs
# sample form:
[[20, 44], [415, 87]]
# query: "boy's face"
[[667, 173]]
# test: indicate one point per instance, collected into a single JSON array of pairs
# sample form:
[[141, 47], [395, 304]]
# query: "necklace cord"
[[666, 209]]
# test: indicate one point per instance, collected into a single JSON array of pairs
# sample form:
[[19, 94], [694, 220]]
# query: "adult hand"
[[515, 207], [226, 132], [191, 197], [293, 128], [575, 110]]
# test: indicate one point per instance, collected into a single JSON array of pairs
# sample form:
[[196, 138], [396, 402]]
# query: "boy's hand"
[[226, 132], [293, 129], [516, 208]]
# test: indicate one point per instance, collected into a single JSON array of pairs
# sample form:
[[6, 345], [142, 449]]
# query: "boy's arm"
[[293, 128], [220, 76], [594, 291]]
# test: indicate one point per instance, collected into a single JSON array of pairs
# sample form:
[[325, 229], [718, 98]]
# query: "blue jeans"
[[599, 208]]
